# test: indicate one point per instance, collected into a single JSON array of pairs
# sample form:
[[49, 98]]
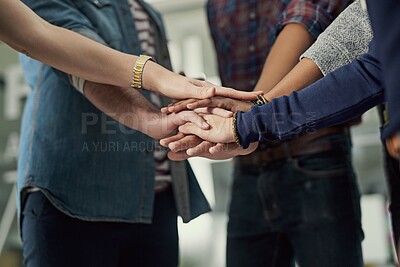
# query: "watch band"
[[138, 71]]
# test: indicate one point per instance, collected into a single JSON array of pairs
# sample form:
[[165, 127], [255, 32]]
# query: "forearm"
[[302, 75], [385, 23], [343, 41], [339, 97], [70, 52], [127, 106], [291, 42]]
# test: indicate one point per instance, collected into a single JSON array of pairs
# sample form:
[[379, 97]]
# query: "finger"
[[181, 105], [235, 94], [226, 148], [185, 143], [164, 110], [216, 148], [166, 141], [189, 128], [193, 117], [216, 111], [200, 103], [200, 149], [178, 156]]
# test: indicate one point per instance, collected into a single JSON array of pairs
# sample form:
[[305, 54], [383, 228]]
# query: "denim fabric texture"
[[88, 165], [304, 209]]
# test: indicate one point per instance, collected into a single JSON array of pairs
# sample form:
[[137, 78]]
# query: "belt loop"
[[288, 154]]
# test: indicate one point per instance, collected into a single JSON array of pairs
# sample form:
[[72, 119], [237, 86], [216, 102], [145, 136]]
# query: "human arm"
[[346, 38], [393, 145], [301, 23], [386, 27], [72, 53], [131, 108], [340, 96]]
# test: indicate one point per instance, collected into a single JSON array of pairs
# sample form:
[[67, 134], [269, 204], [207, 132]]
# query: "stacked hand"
[[216, 141], [393, 145]]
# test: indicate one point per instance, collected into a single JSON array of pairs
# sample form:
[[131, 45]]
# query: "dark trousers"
[[304, 209], [393, 179], [392, 172], [52, 239]]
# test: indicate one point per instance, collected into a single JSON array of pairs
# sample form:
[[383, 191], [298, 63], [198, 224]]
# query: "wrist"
[[154, 77]]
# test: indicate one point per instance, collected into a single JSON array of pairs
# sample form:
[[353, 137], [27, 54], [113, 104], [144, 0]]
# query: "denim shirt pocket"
[[104, 17]]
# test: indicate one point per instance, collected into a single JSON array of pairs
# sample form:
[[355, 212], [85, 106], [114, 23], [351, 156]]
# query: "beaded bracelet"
[[235, 132], [261, 100]]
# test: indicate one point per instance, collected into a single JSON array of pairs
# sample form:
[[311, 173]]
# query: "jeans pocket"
[[322, 165]]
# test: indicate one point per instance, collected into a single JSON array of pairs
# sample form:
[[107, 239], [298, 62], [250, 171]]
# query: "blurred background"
[[203, 240]]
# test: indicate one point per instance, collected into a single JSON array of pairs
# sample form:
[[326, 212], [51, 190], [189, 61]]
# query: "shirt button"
[[252, 15], [251, 48]]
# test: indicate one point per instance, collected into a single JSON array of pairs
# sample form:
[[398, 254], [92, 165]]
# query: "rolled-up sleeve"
[[64, 13], [315, 16]]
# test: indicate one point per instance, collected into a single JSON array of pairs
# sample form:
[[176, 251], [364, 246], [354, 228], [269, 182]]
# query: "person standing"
[[293, 200], [91, 191]]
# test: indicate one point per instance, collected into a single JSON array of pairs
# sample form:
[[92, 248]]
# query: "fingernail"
[[205, 124]]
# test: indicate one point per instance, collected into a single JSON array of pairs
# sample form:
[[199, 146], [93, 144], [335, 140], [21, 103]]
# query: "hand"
[[220, 130], [186, 146], [220, 102], [175, 86], [393, 145], [159, 126]]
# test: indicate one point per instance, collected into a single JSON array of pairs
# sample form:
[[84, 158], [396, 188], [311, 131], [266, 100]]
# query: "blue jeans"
[[304, 209], [52, 239]]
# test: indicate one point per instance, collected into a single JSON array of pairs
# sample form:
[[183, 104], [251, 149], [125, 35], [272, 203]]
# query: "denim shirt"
[[88, 165]]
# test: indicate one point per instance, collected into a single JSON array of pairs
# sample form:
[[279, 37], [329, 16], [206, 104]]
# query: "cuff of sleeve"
[[326, 55], [312, 16], [255, 125], [389, 130], [90, 34], [78, 83]]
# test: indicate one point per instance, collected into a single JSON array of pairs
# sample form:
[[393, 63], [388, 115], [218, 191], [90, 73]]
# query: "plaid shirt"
[[244, 31]]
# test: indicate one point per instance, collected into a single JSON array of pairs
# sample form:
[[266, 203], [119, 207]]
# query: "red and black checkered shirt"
[[244, 31]]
